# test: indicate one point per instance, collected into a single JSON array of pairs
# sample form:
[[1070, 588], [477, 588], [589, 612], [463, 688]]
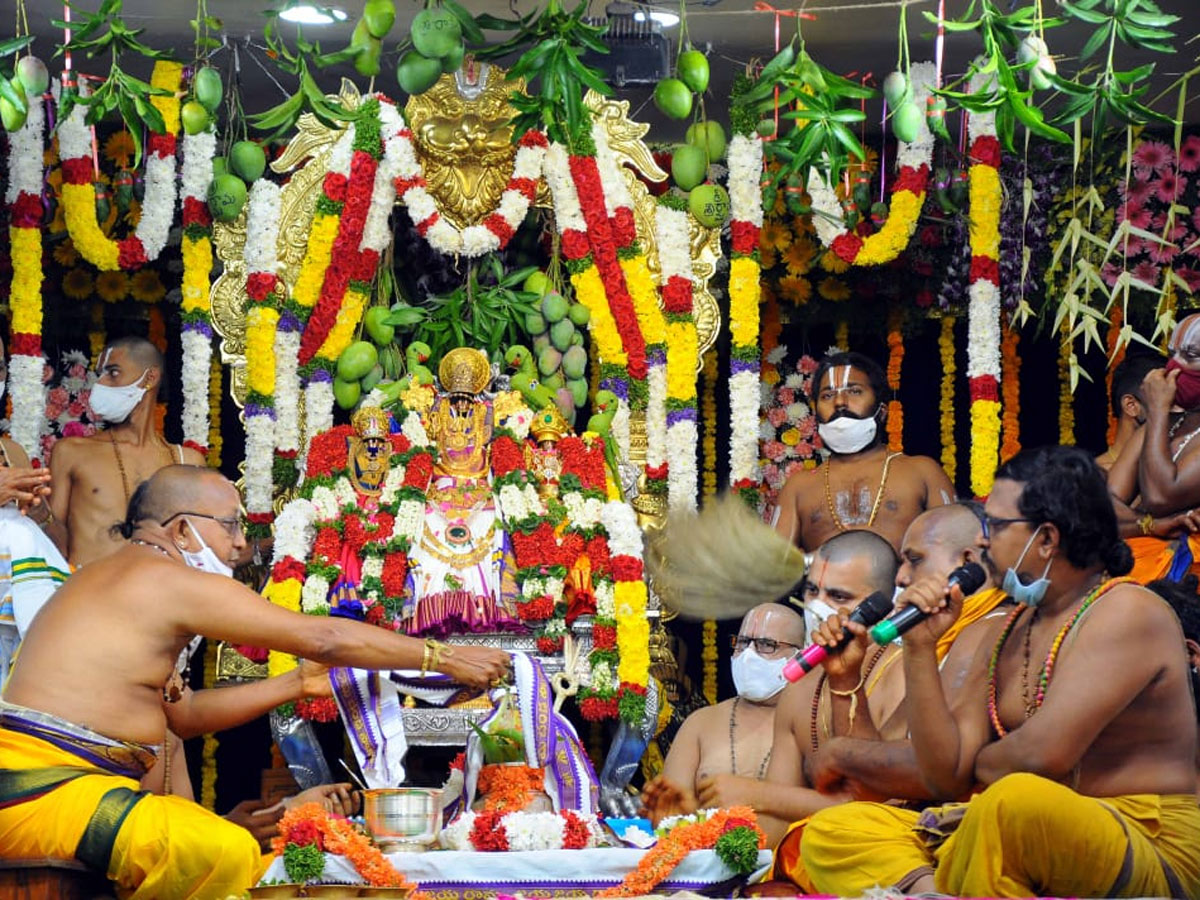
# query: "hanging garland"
[[983, 309], [895, 417], [1066, 398], [208, 759], [195, 314], [1115, 358], [708, 653], [498, 227], [1010, 393], [675, 261], [158, 204], [24, 200], [746, 213], [907, 197], [629, 604], [946, 405]]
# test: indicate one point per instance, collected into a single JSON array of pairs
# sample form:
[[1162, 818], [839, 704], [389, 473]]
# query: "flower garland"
[[895, 417], [495, 830], [214, 414], [907, 197], [158, 204], [309, 825], [498, 227], [24, 200], [731, 832], [208, 759], [708, 657], [629, 603], [1066, 397], [983, 308], [264, 291], [1115, 357], [1010, 393], [745, 202], [946, 406], [671, 232], [195, 314], [710, 374], [509, 788], [581, 264], [636, 268]]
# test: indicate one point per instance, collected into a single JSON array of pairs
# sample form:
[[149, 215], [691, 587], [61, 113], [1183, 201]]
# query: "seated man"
[[1155, 483], [847, 569], [72, 756], [1087, 763], [1128, 407], [1183, 599], [735, 735], [861, 484]]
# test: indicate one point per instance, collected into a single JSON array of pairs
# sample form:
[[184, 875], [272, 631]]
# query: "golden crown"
[[371, 422], [464, 371], [549, 425]]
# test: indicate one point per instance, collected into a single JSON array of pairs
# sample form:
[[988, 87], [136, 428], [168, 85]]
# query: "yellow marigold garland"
[[1115, 357], [208, 762], [895, 418], [1066, 399], [1010, 394], [214, 414], [946, 403], [286, 594], [708, 656]]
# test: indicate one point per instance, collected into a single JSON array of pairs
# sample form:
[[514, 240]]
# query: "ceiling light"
[[307, 14], [662, 17]]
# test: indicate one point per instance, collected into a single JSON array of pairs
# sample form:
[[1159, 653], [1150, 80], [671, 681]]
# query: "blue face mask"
[[1026, 594]]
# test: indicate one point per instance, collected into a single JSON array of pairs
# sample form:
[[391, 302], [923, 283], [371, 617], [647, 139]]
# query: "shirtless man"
[[95, 476], [735, 735], [1128, 407], [88, 691], [1087, 762], [861, 485], [847, 569]]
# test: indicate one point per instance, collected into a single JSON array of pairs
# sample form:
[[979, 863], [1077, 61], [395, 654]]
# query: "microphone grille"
[[970, 577]]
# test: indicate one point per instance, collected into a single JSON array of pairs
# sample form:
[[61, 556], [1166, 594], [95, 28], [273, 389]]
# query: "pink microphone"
[[867, 613]]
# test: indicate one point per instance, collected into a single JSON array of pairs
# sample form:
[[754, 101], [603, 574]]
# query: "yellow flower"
[[167, 75], [316, 260], [342, 333], [59, 223], [890, 240], [197, 270], [799, 256], [77, 284], [791, 437], [833, 289], [770, 375], [985, 445], [118, 149], [79, 207], [25, 298], [985, 194], [645, 299], [112, 286], [946, 404], [682, 348], [767, 257], [147, 287], [795, 288], [64, 253], [743, 301], [589, 290], [260, 349], [833, 263], [775, 235]]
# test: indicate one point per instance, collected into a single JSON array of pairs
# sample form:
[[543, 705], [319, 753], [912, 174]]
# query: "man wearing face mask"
[[95, 476], [1128, 404], [861, 484], [88, 703], [1155, 483], [733, 737], [1078, 723]]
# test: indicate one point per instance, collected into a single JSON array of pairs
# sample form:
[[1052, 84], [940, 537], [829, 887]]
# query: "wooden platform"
[[51, 879]]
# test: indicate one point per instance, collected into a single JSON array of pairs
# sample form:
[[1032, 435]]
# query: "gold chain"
[[460, 561], [837, 520]]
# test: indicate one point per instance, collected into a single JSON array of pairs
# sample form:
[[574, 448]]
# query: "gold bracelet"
[[1146, 524], [430, 658]]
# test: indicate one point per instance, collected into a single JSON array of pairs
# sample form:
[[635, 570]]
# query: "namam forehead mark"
[[1187, 334], [837, 378]]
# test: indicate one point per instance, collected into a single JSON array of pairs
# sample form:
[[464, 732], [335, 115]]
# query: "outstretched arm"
[[216, 709]]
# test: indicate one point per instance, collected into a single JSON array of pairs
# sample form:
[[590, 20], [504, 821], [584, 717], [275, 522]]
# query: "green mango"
[[554, 307], [379, 16], [357, 360], [416, 73], [574, 362], [33, 74], [451, 63], [560, 335], [535, 324], [435, 32], [692, 70], [195, 117], [375, 324], [709, 203], [895, 87], [689, 166], [366, 63], [766, 127], [226, 197], [346, 393], [248, 160], [579, 314], [673, 98], [220, 166], [361, 37], [548, 361], [906, 122], [579, 390], [372, 378], [709, 136], [537, 283], [207, 87]]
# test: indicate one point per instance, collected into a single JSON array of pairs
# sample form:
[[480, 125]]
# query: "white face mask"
[[758, 679], [846, 434], [816, 612], [204, 559], [114, 404]]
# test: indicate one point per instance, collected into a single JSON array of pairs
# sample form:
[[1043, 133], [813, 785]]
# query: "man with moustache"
[[861, 484]]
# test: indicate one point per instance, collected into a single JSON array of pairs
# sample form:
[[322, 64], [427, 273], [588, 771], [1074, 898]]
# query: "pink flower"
[[1110, 273], [1152, 156], [54, 410], [1189, 154], [1138, 216], [58, 396], [1196, 218], [806, 365], [771, 473], [77, 408], [76, 429], [1159, 222], [1170, 186], [774, 450], [787, 396], [1163, 253], [77, 371], [1178, 232], [803, 449], [1146, 272], [777, 416], [1191, 276], [1135, 193], [793, 467]]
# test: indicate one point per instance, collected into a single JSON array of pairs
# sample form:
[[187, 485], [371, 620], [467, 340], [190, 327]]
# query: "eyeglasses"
[[995, 523], [762, 645], [232, 524]]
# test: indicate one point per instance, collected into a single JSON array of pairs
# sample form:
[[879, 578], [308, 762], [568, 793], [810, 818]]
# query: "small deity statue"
[[548, 428], [369, 450], [462, 571]]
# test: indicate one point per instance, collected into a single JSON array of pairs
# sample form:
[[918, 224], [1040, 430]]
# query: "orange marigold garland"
[[310, 825], [946, 404], [508, 788], [895, 416], [1115, 357], [1010, 394]]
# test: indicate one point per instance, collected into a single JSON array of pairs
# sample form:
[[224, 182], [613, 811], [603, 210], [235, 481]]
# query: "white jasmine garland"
[[656, 416], [518, 423], [262, 227], [372, 566], [983, 304], [318, 412], [744, 419], [346, 494], [287, 390], [28, 395], [392, 482], [624, 535], [325, 503], [377, 232], [604, 599], [568, 214], [410, 518], [616, 190], [158, 204], [620, 430], [294, 531], [745, 170], [314, 596], [682, 473], [196, 177], [260, 446], [197, 360], [414, 429], [512, 504]]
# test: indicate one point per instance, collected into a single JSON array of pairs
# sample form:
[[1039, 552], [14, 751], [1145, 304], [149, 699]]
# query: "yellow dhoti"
[[59, 804], [1154, 558], [1023, 836]]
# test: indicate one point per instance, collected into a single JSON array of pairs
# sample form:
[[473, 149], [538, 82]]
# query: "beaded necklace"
[[1047, 670], [816, 704], [766, 760]]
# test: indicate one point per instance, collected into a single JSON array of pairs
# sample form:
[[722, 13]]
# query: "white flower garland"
[[196, 178], [262, 232], [488, 236], [525, 831], [983, 308], [294, 531]]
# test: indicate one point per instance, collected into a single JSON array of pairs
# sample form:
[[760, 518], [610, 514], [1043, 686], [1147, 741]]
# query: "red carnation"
[[536, 609], [498, 225], [403, 185], [328, 545], [321, 709], [400, 444], [913, 180], [77, 171], [335, 186], [847, 246], [425, 224], [604, 637], [195, 212], [984, 387], [626, 568], [744, 236], [162, 145], [26, 211], [597, 551], [677, 295], [418, 471], [524, 186], [533, 138], [376, 614], [487, 832], [550, 645], [507, 456], [354, 534], [305, 832], [984, 268], [574, 244], [623, 226], [288, 567], [985, 151], [576, 834], [130, 253], [26, 345], [259, 285], [395, 573]]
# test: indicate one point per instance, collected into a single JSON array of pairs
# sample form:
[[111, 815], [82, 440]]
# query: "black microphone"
[[870, 611], [969, 577]]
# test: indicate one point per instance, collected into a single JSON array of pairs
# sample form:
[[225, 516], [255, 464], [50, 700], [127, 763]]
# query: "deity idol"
[[462, 572]]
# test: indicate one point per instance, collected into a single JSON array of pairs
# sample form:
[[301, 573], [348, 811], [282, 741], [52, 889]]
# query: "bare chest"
[[110, 473], [741, 745]]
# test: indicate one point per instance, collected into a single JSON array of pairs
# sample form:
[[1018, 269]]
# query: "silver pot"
[[403, 818]]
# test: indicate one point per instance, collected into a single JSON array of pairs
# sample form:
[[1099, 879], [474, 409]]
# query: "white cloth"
[[31, 570]]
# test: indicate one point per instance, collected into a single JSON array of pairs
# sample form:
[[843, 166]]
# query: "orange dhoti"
[[1155, 558]]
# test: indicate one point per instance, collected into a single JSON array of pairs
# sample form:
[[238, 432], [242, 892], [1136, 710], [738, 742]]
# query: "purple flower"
[[1146, 272], [1189, 154]]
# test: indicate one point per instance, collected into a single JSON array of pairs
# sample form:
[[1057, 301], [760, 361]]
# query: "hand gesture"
[[662, 797], [257, 818], [823, 771], [942, 605], [1158, 390], [845, 664], [25, 485], [1180, 523], [726, 790], [479, 667], [314, 680], [339, 799]]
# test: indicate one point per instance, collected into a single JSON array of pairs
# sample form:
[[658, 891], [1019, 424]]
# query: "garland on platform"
[[581, 264], [264, 298], [24, 199], [895, 417], [158, 204], [498, 227], [946, 402], [671, 231], [499, 831], [746, 213], [983, 310], [195, 313], [907, 197], [1010, 394], [307, 832]]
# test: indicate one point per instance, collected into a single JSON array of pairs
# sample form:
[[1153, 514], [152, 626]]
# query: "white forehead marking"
[[1184, 335]]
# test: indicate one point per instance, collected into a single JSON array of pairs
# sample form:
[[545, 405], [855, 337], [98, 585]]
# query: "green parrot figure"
[[416, 355], [606, 405], [525, 380]]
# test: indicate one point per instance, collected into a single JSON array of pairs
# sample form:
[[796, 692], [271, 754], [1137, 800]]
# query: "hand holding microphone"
[[968, 578], [870, 611]]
